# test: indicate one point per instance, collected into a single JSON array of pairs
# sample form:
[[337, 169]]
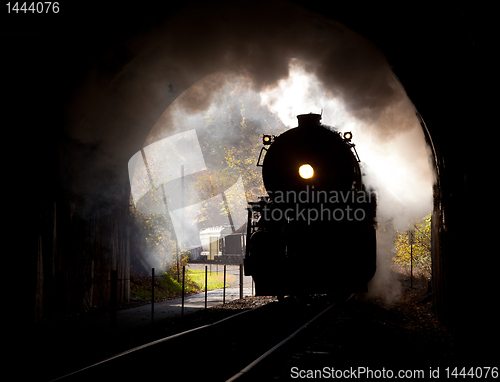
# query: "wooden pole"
[[241, 281], [182, 221], [410, 237], [224, 288], [177, 256], [183, 278]]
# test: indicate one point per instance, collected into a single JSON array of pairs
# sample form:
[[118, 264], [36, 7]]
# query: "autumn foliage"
[[230, 137], [415, 245]]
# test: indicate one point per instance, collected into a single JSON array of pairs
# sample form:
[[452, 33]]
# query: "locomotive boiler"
[[314, 231]]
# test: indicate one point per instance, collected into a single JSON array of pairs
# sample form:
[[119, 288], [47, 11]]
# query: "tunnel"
[[441, 55]]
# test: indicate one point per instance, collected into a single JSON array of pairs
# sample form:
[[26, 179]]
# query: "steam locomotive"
[[314, 233]]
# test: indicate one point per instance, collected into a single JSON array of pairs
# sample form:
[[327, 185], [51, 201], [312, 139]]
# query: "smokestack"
[[309, 119]]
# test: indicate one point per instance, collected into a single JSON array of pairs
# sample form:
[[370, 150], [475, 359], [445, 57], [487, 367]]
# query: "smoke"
[[395, 159], [294, 60]]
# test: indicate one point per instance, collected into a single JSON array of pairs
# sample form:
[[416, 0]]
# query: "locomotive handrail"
[[260, 154], [353, 147]]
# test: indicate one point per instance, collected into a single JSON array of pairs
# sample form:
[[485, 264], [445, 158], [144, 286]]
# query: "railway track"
[[227, 350], [246, 373], [362, 340]]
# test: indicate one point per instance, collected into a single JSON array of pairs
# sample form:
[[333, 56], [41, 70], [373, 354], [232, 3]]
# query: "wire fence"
[[240, 283], [117, 313], [113, 292]]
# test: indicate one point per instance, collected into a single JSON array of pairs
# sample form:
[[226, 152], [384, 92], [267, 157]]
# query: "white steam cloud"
[[397, 165]]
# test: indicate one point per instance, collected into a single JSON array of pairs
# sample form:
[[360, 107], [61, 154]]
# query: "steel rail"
[[157, 342]]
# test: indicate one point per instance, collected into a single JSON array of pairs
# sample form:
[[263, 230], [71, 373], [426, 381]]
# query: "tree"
[[419, 248], [231, 143], [230, 135], [242, 159]]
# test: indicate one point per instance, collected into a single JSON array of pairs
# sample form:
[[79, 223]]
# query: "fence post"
[[183, 278], [152, 296], [113, 298], [411, 266], [206, 285], [411, 239], [241, 281], [224, 288]]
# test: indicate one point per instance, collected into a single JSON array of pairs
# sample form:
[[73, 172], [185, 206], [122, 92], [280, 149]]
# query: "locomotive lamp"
[[348, 136], [267, 139], [306, 171]]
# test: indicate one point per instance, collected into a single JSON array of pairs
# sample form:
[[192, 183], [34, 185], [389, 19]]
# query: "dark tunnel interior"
[[441, 55]]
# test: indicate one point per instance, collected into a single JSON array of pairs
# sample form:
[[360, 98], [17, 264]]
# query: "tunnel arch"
[[421, 58], [440, 55], [353, 23]]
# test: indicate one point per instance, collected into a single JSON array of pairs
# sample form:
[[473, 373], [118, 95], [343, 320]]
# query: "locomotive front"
[[315, 230]]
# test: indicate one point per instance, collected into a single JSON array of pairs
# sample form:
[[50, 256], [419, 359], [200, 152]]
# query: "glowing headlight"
[[348, 136], [306, 171]]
